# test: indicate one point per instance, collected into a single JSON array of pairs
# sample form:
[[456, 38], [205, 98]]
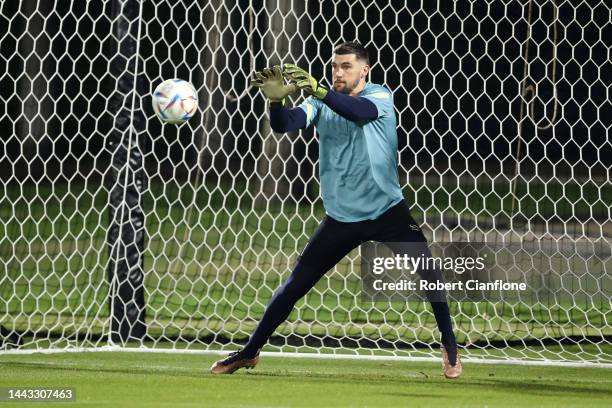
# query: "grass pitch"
[[182, 380]]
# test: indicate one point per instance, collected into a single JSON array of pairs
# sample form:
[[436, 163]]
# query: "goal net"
[[503, 115]]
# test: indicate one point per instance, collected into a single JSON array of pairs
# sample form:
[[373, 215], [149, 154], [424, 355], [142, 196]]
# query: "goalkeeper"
[[356, 125]]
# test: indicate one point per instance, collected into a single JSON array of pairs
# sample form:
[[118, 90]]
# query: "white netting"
[[504, 119]]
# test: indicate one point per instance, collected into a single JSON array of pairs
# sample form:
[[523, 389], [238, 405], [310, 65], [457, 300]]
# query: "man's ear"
[[364, 70]]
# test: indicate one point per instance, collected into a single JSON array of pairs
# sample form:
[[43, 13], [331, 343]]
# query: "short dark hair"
[[353, 47]]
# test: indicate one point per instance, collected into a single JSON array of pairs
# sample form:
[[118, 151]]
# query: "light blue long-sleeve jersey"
[[357, 160]]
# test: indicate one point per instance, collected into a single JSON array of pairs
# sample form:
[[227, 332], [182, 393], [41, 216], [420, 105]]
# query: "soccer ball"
[[175, 101]]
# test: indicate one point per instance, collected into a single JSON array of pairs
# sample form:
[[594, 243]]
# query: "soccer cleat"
[[450, 371], [233, 362]]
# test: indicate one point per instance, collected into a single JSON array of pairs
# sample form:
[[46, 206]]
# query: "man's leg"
[[398, 226], [301, 280], [331, 242]]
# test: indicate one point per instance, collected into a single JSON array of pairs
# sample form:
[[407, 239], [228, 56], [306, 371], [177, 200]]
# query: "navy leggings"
[[331, 242]]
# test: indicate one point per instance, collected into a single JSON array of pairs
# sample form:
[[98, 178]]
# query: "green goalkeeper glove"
[[304, 80], [272, 84]]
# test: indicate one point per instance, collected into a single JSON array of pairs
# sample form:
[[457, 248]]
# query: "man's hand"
[[303, 80], [272, 84]]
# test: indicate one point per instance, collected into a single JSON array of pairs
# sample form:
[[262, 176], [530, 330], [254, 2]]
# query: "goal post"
[[126, 181], [114, 227]]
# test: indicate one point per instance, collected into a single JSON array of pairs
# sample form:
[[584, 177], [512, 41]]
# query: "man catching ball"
[[356, 125]]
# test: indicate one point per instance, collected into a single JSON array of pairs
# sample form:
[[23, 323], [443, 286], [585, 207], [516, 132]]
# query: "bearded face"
[[347, 73]]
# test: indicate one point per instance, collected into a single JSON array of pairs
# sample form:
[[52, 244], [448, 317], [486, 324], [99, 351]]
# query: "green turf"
[[179, 380]]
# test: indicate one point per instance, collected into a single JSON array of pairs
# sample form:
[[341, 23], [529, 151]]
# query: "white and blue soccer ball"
[[175, 101]]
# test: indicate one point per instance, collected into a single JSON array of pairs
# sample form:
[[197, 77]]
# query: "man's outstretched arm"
[[353, 108], [286, 120], [349, 107]]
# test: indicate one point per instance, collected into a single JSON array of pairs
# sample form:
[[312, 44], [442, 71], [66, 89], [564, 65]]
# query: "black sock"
[[442, 315]]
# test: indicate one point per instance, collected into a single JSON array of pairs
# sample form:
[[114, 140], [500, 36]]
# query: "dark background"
[[456, 69]]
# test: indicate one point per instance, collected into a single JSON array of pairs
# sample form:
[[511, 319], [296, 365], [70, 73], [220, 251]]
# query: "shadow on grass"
[[528, 385], [546, 388], [190, 373]]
